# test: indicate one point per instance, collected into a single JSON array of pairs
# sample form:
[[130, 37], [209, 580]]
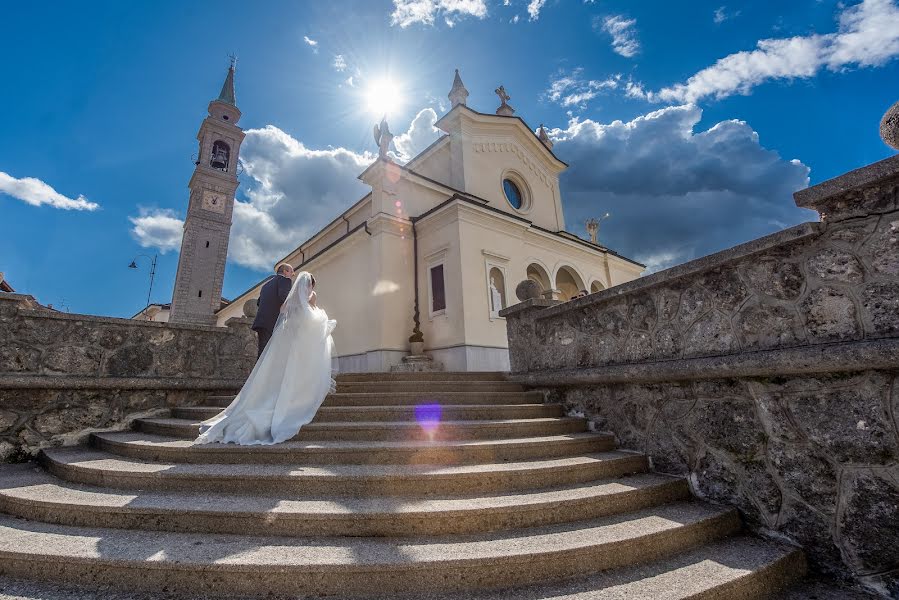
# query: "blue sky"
[[691, 122]]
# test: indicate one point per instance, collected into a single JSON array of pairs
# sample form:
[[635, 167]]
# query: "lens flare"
[[428, 416]]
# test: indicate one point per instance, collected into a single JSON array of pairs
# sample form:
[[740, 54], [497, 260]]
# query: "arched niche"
[[496, 291]]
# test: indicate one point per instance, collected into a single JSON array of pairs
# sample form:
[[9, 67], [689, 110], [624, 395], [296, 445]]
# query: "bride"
[[290, 379]]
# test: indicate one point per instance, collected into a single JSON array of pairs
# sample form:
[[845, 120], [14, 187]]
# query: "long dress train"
[[289, 382]]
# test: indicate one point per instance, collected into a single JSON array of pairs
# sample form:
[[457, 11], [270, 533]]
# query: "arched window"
[[596, 287], [221, 156], [496, 291]]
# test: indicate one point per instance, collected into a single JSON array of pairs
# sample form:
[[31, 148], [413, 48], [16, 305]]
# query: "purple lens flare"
[[428, 416]]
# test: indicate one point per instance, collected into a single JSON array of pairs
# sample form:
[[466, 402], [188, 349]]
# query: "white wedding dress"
[[288, 383]]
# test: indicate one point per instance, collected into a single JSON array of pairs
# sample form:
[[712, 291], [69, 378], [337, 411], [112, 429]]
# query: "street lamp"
[[133, 265]]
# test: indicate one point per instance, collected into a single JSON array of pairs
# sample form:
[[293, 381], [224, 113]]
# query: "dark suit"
[[271, 297]]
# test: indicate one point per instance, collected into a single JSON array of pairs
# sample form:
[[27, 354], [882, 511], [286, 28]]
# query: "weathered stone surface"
[[72, 360], [711, 334], [833, 264], [884, 248], [868, 527], [774, 277], [130, 361], [810, 476], [880, 302], [694, 302], [850, 421], [642, 313], [830, 315], [769, 326]]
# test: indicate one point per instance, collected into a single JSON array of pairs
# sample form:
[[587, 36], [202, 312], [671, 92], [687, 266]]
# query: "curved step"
[[329, 414], [429, 386], [145, 446], [31, 494], [93, 467], [395, 430], [412, 398], [737, 568], [457, 376], [257, 566]]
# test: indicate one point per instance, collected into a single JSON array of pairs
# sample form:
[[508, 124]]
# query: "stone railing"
[[767, 373], [63, 376]]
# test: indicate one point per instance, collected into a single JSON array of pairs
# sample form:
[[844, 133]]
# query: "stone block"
[[834, 264], [808, 475], [711, 334], [880, 304], [848, 419], [830, 315], [884, 248], [71, 360], [130, 361], [773, 276], [769, 326], [868, 526]]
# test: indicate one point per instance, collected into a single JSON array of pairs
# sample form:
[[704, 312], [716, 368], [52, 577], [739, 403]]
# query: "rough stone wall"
[[766, 374], [810, 458], [63, 376], [825, 284]]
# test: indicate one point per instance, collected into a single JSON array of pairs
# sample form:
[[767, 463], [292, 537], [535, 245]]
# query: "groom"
[[271, 297]]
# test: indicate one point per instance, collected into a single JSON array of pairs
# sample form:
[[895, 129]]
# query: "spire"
[[227, 93], [458, 95], [544, 137]]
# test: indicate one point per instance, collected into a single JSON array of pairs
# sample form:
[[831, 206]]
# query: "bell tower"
[[204, 247]]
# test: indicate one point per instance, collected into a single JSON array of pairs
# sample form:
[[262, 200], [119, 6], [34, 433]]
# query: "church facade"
[[436, 249]]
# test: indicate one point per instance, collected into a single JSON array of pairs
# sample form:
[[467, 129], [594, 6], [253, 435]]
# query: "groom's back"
[[271, 297]]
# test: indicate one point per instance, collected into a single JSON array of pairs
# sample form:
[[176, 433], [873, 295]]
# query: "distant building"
[[4, 285], [161, 313]]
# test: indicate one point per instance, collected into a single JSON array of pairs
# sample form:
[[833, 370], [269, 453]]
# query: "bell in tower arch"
[[220, 155]]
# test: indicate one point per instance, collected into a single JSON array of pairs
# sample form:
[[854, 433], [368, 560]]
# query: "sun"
[[383, 97]]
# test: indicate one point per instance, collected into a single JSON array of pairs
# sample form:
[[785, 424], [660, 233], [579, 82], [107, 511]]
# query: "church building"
[[433, 252]]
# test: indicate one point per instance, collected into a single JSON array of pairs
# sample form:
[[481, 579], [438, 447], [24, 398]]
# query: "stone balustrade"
[[63, 376], [766, 373]]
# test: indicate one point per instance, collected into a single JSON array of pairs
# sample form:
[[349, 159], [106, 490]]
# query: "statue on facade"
[[504, 108], [383, 137], [496, 298]]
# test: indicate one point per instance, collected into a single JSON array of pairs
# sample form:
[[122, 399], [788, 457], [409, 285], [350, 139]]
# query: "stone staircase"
[[405, 484]]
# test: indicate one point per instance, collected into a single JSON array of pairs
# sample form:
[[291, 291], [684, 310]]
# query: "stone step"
[[151, 447], [736, 568], [428, 412], [411, 398], [30, 493], [395, 430], [93, 467], [425, 387], [190, 563], [463, 376]]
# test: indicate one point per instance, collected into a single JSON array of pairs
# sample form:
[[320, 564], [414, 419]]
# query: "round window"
[[513, 194]]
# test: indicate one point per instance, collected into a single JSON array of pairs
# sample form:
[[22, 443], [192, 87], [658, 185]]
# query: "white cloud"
[[36, 193], [409, 12], [311, 43], [675, 193], [290, 193], [339, 63], [534, 9], [350, 81], [572, 89], [157, 228], [420, 135], [721, 15], [624, 36], [867, 36], [514, 19]]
